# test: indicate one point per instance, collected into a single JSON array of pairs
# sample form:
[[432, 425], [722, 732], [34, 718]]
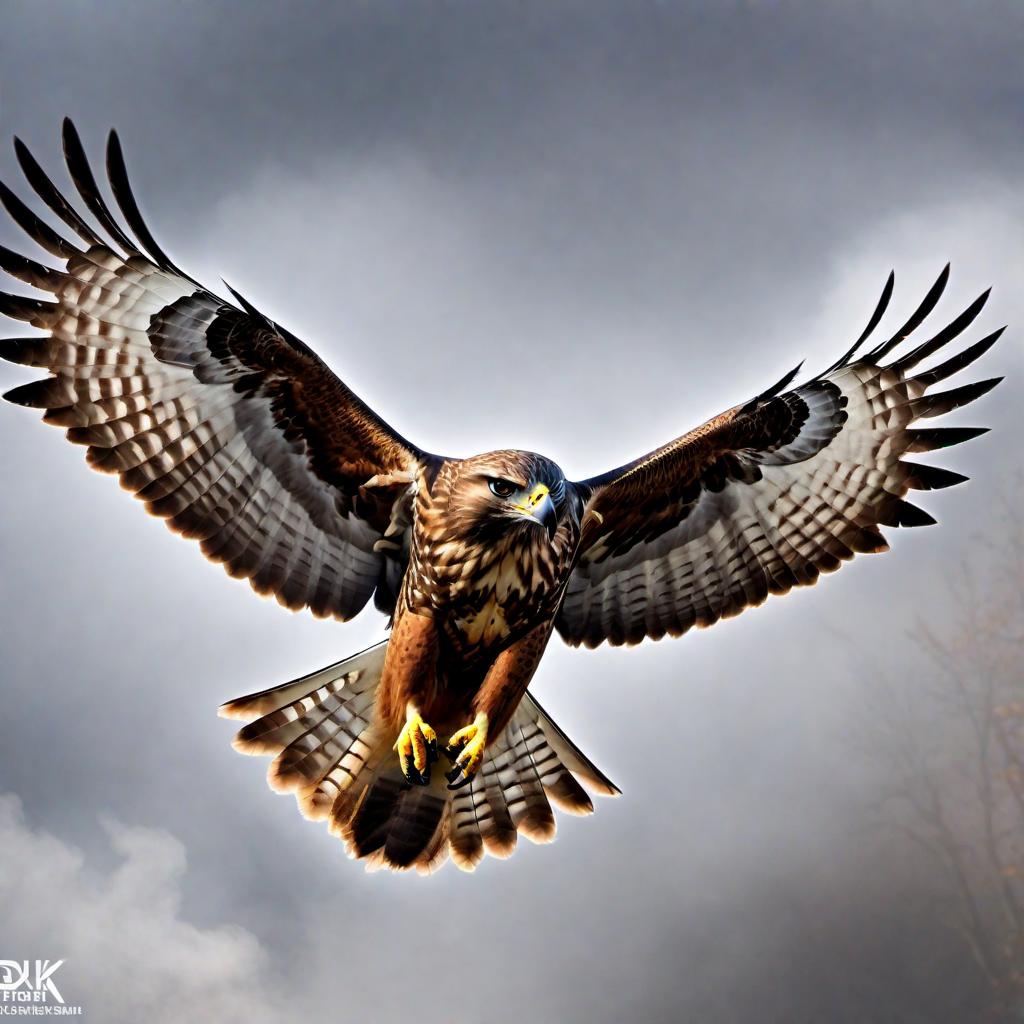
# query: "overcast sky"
[[636, 215]]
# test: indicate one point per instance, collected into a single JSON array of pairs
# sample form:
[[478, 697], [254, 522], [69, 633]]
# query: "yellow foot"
[[417, 748], [466, 752]]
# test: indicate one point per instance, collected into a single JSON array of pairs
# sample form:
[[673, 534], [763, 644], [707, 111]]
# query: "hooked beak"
[[540, 508]]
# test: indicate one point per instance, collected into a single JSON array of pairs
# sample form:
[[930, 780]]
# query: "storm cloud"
[[623, 218]]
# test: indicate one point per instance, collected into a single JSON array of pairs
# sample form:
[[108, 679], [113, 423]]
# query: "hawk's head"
[[499, 493]]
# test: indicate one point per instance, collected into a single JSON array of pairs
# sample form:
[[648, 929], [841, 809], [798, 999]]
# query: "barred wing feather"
[[770, 494], [226, 425]]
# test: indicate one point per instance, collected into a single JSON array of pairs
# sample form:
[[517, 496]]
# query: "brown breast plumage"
[[484, 588]]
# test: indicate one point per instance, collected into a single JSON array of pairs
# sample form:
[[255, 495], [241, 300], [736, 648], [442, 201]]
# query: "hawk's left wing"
[[770, 494]]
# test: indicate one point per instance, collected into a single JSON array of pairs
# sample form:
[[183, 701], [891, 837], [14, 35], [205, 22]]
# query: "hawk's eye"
[[502, 488]]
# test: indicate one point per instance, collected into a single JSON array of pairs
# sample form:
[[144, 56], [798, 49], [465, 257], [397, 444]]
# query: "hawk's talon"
[[457, 778], [412, 776], [465, 750], [417, 748], [452, 751]]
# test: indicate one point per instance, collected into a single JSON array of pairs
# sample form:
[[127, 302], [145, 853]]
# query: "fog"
[[636, 216]]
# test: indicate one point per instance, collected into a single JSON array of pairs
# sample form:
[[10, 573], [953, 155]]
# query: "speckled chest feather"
[[484, 583]]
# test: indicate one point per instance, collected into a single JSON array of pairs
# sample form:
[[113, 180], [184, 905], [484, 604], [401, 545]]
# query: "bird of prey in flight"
[[234, 431]]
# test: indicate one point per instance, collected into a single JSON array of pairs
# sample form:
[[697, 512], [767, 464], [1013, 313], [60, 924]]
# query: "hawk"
[[233, 430]]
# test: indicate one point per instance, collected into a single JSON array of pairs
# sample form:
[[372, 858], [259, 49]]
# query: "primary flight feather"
[[240, 437]]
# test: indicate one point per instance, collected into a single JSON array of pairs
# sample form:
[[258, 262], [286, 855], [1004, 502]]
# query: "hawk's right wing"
[[226, 425]]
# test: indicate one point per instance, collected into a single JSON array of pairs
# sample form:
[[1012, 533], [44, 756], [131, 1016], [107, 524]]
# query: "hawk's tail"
[[338, 760]]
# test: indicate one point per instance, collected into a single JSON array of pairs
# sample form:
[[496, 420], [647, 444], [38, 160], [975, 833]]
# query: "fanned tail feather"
[[330, 750]]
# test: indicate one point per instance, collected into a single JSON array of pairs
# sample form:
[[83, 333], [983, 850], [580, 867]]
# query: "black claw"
[[452, 751], [456, 778], [412, 774], [415, 777], [431, 752]]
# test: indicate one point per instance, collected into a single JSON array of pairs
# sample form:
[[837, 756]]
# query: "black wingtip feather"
[[27, 351], [902, 513], [928, 303], [911, 515], [881, 306], [37, 229], [934, 438], [85, 182], [946, 335], [48, 393], [248, 307], [51, 195], [117, 171], [946, 401], [958, 362], [20, 307], [778, 386], [30, 272], [931, 478]]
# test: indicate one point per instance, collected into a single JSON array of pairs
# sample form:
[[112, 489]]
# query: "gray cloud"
[[128, 955], [637, 220]]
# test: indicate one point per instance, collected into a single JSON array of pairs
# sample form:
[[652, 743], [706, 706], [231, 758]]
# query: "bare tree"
[[949, 743]]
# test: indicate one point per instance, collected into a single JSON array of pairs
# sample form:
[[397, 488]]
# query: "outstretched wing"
[[770, 494], [220, 420]]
